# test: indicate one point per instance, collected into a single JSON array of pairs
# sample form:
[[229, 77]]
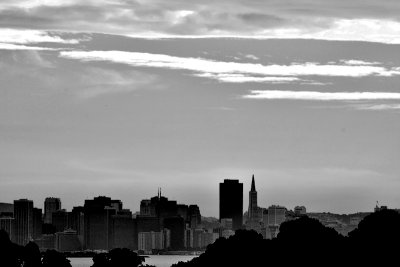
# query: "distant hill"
[[210, 222]]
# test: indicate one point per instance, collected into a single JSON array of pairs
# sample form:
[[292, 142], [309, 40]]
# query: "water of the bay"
[[156, 260]]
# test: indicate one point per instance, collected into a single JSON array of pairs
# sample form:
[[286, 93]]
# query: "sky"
[[121, 97]]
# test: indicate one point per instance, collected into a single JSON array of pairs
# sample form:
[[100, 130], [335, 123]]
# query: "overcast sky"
[[123, 97]]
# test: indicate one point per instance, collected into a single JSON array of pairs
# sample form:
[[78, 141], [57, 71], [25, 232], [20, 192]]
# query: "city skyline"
[[252, 197], [118, 98]]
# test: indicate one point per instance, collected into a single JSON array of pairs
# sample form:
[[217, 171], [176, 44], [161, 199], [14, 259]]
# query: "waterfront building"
[[46, 241], [149, 241], [67, 240], [177, 227], [51, 204], [231, 202]]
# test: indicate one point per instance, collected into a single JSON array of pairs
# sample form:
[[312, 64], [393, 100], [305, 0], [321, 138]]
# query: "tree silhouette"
[[52, 258], [32, 256], [376, 239], [10, 253]]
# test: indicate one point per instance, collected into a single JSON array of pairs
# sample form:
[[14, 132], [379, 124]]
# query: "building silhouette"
[[24, 225], [59, 220], [76, 222], [177, 227], [37, 223], [231, 202], [274, 216], [7, 224], [51, 204], [123, 230], [97, 216], [158, 214], [253, 213], [300, 211]]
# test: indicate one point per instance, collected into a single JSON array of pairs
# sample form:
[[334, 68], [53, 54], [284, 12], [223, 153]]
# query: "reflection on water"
[[156, 260]]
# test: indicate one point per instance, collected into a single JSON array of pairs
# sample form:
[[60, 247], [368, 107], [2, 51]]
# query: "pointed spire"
[[253, 184]]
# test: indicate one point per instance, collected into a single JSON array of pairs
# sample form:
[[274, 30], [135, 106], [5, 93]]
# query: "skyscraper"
[[23, 214], [253, 208], [37, 223], [51, 204], [231, 202], [98, 225]]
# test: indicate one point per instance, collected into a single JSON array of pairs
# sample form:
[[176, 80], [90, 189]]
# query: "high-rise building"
[[254, 213], [76, 222], [59, 220], [253, 208], [177, 227], [23, 214], [98, 223], [194, 216], [37, 223], [51, 204], [160, 207], [124, 230], [231, 202]]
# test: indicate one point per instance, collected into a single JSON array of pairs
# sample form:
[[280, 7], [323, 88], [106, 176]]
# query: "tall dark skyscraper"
[[231, 202], [98, 225], [51, 204], [253, 208], [24, 221]]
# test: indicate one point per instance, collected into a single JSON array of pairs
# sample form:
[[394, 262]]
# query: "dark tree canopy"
[[302, 241], [52, 258], [307, 241]]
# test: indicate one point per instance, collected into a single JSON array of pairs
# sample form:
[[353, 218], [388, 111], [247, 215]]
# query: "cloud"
[[253, 57], [231, 71], [362, 20], [321, 96], [95, 82], [378, 107], [14, 36], [4, 46], [240, 78], [44, 75], [358, 62]]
